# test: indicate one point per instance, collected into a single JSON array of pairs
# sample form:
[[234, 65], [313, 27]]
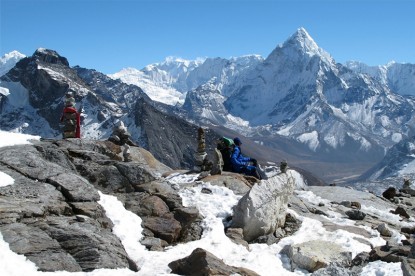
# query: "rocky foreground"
[[52, 216]]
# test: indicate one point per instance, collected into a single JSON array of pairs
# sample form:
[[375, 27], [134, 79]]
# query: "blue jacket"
[[238, 160]]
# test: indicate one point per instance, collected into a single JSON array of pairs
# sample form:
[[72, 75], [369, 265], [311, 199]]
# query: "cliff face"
[[52, 210]]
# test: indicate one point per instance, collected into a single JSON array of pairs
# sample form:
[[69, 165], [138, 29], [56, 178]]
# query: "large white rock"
[[262, 210], [313, 255]]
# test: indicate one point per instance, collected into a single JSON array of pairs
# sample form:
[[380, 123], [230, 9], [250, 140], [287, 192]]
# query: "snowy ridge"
[[169, 81], [399, 77], [298, 91], [161, 92]]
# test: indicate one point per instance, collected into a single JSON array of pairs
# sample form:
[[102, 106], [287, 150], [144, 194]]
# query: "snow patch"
[[396, 137], [5, 179], [310, 138]]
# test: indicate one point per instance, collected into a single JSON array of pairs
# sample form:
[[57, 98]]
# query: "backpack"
[[225, 146]]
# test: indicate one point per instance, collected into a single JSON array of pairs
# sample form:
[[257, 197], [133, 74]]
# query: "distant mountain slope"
[[399, 77], [31, 101], [169, 81], [324, 115], [333, 112], [399, 161], [300, 92]]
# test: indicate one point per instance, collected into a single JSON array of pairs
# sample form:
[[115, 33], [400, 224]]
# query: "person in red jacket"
[[71, 118]]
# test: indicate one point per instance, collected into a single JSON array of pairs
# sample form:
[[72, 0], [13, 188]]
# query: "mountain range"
[[332, 119]]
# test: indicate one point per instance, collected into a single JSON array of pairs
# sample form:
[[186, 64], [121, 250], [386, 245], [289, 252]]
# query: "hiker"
[[71, 118], [240, 163], [225, 146]]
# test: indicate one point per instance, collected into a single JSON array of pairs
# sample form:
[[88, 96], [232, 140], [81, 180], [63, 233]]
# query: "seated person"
[[240, 163]]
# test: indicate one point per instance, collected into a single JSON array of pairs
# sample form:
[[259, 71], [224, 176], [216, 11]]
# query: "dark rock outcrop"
[[51, 212], [202, 262]]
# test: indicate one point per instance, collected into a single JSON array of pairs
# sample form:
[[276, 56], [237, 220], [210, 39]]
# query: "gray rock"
[[164, 228], [389, 254], [408, 267], [135, 174], [389, 193], [400, 210], [384, 230], [145, 205], [74, 188], [236, 235], [202, 262], [333, 269], [412, 252], [217, 166], [154, 244], [355, 214], [28, 161], [317, 254], [91, 246], [38, 247], [262, 210]]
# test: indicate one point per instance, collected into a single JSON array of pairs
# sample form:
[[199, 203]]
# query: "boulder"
[[401, 212], [262, 210], [202, 262], [384, 230], [154, 244], [355, 214], [389, 193], [316, 254], [389, 254], [166, 228], [236, 235], [408, 267]]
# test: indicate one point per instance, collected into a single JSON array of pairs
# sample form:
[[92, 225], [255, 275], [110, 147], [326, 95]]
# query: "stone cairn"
[[122, 137], [283, 166], [202, 163]]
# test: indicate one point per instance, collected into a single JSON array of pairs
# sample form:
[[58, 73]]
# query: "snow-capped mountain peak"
[[302, 38], [16, 55], [9, 60], [301, 45]]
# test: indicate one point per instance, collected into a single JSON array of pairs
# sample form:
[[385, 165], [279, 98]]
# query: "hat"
[[237, 141]]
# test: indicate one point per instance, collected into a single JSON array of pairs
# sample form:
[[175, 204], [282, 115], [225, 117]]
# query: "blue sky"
[[108, 35]]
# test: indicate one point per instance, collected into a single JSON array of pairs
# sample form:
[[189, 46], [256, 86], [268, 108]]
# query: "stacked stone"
[[202, 163], [122, 137]]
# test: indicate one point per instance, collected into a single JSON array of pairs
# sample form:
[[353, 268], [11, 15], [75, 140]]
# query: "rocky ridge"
[[52, 211]]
